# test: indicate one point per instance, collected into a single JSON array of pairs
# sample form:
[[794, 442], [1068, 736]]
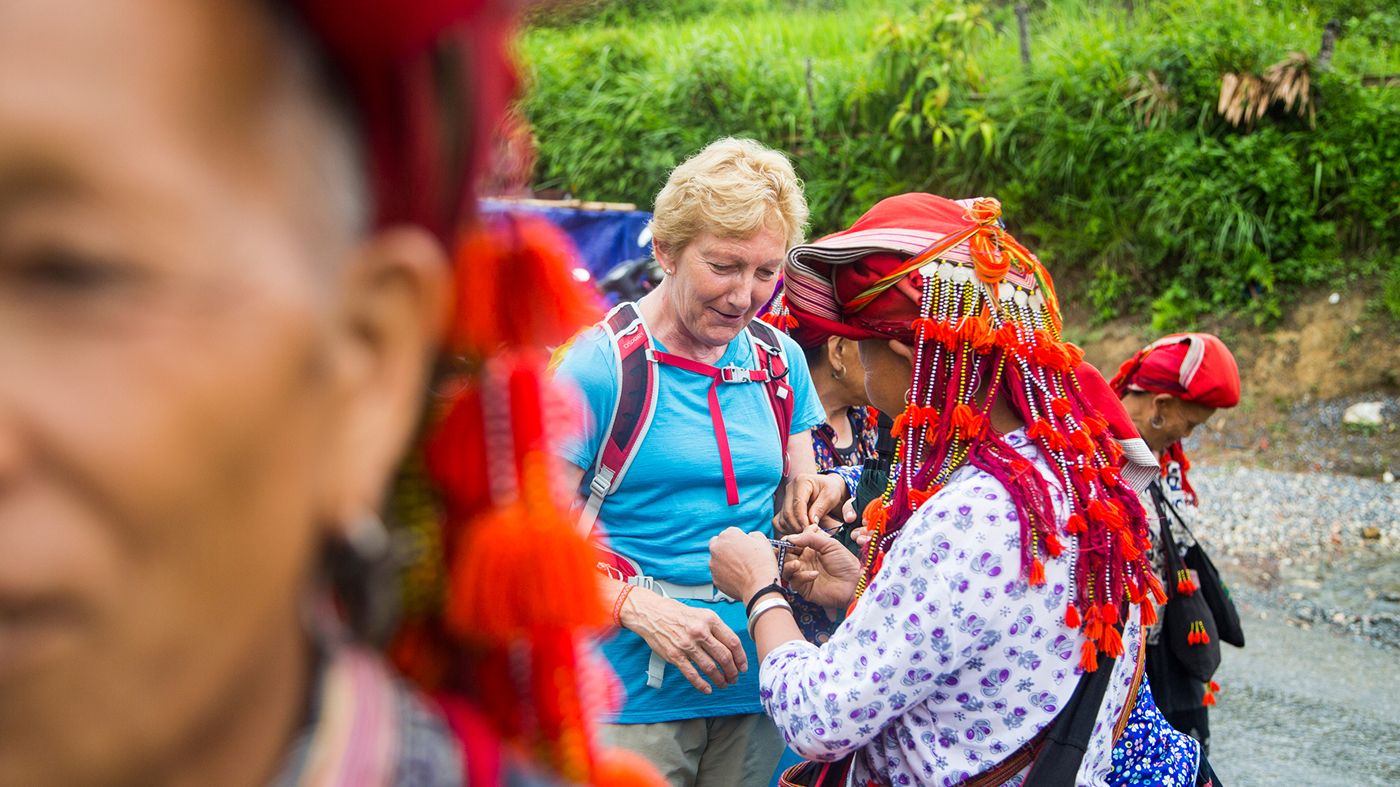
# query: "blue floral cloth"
[[1149, 753]]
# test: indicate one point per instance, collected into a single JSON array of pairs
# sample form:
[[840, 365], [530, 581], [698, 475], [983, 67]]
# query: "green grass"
[[1180, 216]]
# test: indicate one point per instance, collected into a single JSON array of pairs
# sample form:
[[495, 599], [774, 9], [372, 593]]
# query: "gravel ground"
[[1321, 550], [1314, 697]]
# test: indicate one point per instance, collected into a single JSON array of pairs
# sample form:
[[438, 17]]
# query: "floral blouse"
[[864, 431], [949, 662]]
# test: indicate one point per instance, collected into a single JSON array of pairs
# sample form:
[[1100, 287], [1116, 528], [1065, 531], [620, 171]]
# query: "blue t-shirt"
[[672, 500]]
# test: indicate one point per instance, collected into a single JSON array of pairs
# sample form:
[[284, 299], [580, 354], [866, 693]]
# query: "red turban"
[[841, 284], [1196, 367], [426, 133]]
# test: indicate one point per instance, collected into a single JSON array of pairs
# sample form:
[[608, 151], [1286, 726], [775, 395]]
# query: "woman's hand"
[[742, 563], [694, 640], [822, 571], [809, 497]]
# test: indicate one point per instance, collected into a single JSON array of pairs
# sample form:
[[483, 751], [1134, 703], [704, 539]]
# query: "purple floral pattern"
[[949, 662]]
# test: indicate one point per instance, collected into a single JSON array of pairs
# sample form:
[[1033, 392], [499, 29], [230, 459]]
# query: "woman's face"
[[1163, 419], [717, 285], [198, 386], [889, 370]]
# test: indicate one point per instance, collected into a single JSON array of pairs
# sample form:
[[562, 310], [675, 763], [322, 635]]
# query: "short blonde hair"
[[733, 188]]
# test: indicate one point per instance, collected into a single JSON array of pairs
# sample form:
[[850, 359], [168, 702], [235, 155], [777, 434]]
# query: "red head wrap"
[[430, 79], [1196, 367], [426, 135], [981, 312]]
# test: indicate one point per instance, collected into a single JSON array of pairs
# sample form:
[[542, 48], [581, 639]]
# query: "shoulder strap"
[[771, 357], [632, 413]]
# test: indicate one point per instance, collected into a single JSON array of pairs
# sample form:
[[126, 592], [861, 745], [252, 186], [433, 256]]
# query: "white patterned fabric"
[[950, 661]]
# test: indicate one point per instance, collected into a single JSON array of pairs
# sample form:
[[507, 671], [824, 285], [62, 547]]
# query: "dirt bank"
[[1297, 377]]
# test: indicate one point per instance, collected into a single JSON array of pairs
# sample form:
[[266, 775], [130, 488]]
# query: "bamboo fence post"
[[1329, 43], [1023, 27], [811, 99]]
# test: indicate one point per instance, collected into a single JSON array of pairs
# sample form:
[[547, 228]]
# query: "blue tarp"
[[604, 238]]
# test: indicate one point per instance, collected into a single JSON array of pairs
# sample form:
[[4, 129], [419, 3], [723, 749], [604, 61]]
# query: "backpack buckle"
[[734, 374]]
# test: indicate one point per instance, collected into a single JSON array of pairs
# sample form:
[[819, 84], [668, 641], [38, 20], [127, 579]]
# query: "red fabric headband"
[[1197, 367], [423, 162]]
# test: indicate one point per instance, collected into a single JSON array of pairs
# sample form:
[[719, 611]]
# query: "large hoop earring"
[[840, 376], [1157, 422]]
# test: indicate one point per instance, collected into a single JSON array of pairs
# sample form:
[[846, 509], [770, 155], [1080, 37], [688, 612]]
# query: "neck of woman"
[[664, 322], [836, 400]]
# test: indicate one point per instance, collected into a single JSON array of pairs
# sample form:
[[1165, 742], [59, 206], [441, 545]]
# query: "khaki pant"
[[722, 751]]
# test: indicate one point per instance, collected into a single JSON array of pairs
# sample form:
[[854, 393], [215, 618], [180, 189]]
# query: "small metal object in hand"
[[782, 547]]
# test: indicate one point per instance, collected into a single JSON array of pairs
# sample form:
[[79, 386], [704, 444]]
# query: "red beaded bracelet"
[[617, 605]]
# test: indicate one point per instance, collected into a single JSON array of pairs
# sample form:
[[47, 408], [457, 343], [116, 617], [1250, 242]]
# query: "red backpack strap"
[[481, 748], [771, 357], [632, 414]]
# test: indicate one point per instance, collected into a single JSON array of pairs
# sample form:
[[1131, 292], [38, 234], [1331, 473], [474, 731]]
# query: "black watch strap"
[[748, 608]]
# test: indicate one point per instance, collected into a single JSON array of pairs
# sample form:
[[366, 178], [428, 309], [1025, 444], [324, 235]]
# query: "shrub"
[[1107, 153]]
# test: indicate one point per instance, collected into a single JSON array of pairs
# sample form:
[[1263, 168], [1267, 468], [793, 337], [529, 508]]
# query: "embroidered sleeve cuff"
[[850, 474]]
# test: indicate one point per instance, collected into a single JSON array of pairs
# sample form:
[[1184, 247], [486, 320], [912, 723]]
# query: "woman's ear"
[[1161, 404], [663, 258], [835, 351], [394, 309], [903, 350]]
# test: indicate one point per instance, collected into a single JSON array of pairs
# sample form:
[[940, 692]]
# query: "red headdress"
[[1195, 367], [979, 309], [505, 587]]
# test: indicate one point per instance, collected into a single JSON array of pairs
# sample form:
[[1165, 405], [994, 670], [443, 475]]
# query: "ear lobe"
[[394, 311], [903, 350]]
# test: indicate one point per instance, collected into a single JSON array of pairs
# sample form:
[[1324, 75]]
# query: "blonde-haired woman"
[[710, 459]]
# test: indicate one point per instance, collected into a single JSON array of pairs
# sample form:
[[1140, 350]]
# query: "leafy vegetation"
[[1107, 151]]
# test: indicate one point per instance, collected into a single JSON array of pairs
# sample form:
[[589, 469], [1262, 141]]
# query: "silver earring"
[[840, 376], [368, 536], [1157, 422]]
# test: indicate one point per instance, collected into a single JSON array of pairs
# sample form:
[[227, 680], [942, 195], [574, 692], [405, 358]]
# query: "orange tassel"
[[1112, 643], [976, 333], [1080, 439], [489, 597], [1114, 452], [1111, 476], [515, 287], [1075, 525], [1111, 613], [1114, 510], [927, 326], [622, 768], [1088, 473], [1155, 585], [1089, 661], [1095, 425], [1053, 545], [918, 498], [875, 515], [1214, 686], [1184, 585], [1209, 699], [1037, 577], [1007, 338], [1076, 355], [1060, 406], [1149, 613], [1093, 622], [1072, 616]]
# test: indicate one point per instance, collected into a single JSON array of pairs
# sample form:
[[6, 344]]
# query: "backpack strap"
[[632, 415], [771, 357]]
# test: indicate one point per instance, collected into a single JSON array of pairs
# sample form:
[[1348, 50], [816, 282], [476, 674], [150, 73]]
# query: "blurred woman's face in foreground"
[[205, 371]]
